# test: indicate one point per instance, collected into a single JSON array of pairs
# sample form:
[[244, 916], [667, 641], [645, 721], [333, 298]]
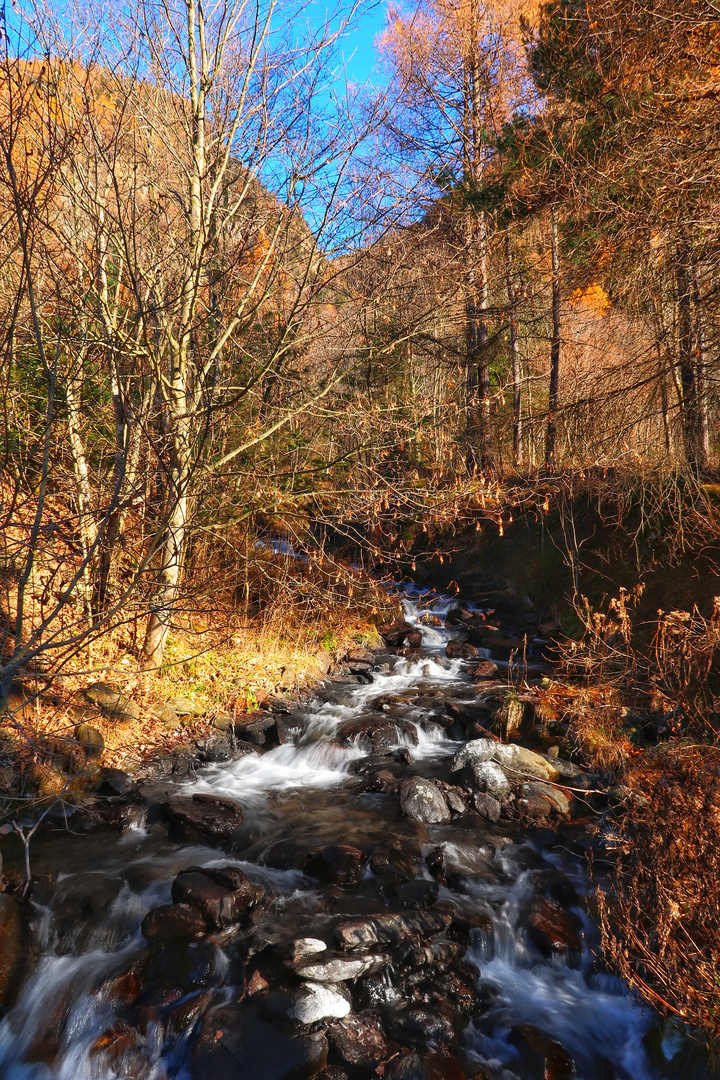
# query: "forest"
[[274, 341]]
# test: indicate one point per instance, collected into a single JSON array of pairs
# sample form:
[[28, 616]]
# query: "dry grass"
[[661, 916]]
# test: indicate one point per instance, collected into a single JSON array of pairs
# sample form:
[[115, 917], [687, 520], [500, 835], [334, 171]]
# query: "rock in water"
[[203, 818], [337, 864], [238, 1044], [558, 799], [172, 923], [421, 800], [472, 753], [490, 777], [221, 900], [318, 1001], [461, 650]]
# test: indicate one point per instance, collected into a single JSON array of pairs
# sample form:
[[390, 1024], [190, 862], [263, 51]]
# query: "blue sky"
[[361, 62]]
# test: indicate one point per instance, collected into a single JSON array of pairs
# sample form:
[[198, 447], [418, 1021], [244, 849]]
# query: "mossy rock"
[[90, 739]]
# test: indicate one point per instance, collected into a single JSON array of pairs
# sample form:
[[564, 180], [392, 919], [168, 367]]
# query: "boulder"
[[337, 969], [115, 782], [184, 706], [517, 759], [173, 922], [319, 1001], [418, 1026], [421, 800], [203, 818], [487, 806], [398, 634], [558, 799], [472, 753], [490, 778], [337, 864], [460, 650], [91, 740], [222, 895], [485, 669], [552, 928], [363, 933], [166, 714], [236, 1043], [358, 1040], [14, 950], [418, 895], [112, 701], [376, 735]]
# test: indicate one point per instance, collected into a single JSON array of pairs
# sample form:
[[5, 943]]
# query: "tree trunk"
[[514, 356], [487, 457], [173, 557], [551, 435], [701, 375], [691, 423]]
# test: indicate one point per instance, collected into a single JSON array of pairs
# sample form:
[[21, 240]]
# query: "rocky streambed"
[[388, 880]]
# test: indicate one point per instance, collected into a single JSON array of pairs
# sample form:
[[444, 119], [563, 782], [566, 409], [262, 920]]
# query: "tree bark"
[[701, 366], [551, 435], [514, 356], [691, 422]]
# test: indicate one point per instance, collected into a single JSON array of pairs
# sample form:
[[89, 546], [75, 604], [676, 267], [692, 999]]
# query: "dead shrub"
[[660, 916]]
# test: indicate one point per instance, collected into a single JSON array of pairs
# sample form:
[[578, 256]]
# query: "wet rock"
[[487, 806], [80, 905], [289, 729], [544, 1055], [14, 954], [358, 1040], [536, 788], [416, 895], [407, 1067], [182, 969], [474, 752], [485, 669], [203, 818], [361, 932], [219, 748], [173, 922], [337, 864], [420, 1027], [393, 862], [400, 634], [460, 650], [260, 732], [238, 1043], [421, 800], [375, 735], [112, 701], [490, 777], [221, 898], [337, 969], [115, 782], [552, 928], [91, 740], [307, 946], [319, 1001]]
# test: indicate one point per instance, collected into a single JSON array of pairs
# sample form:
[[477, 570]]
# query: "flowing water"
[[93, 890]]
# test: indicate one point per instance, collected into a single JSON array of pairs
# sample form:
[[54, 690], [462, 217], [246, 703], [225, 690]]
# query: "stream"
[[341, 937]]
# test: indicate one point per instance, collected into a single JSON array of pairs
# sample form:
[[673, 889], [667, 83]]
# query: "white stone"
[[307, 946], [474, 752], [490, 777], [316, 1001], [342, 968]]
